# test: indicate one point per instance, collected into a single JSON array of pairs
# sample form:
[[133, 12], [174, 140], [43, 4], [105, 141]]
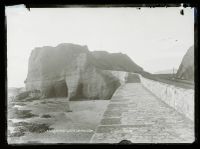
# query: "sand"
[[77, 126]]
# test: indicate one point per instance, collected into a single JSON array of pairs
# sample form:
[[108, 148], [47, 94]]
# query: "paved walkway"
[[135, 114]]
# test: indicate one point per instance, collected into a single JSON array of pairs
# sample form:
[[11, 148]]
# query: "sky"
[[154, 38]]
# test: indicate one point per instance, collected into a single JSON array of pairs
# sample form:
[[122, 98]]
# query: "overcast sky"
[[154, 38]]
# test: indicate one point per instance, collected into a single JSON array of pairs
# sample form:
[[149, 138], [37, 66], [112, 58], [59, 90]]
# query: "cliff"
[[186, 68], [72, 70], [115, 61]]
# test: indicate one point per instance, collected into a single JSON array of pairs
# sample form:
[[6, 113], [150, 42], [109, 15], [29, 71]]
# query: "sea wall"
[[180, 99]]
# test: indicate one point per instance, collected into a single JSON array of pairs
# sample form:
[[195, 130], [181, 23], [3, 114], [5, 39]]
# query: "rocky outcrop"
[[91, 83], [72, 70], [186, 69]]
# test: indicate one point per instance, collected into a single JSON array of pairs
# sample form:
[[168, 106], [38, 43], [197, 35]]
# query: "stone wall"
[[180, 99]]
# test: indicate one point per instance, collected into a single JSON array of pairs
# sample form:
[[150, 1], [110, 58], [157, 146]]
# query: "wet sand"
[[77, 126]]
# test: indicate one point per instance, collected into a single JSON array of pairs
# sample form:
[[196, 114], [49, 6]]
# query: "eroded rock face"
[[186, 69], [86, 81], [70, 70]]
